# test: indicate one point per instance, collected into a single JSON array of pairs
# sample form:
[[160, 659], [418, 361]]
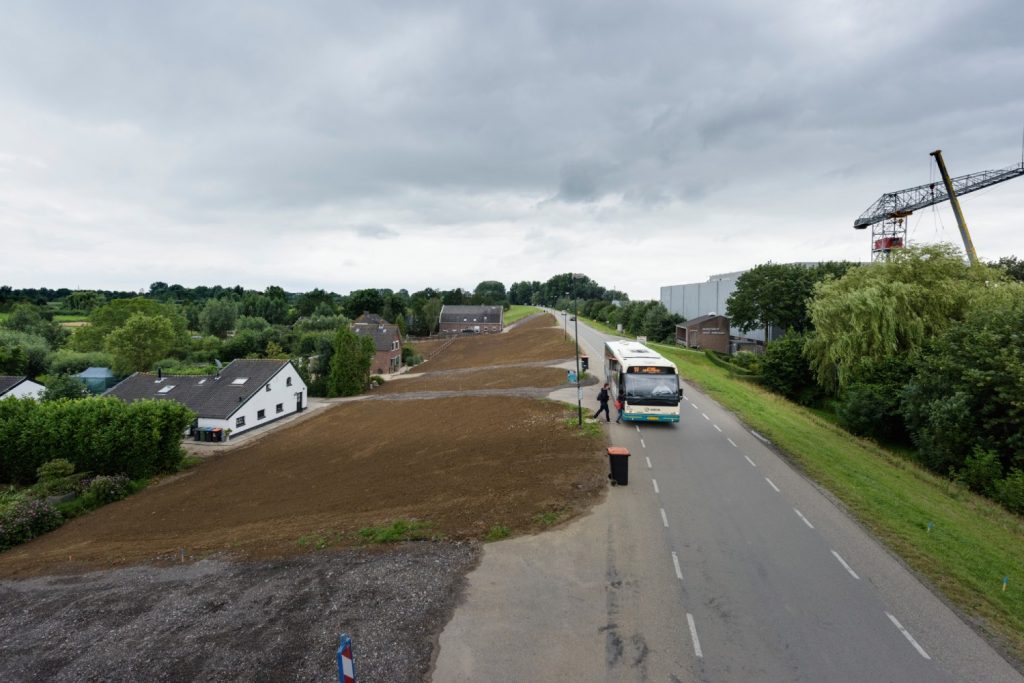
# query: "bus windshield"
[[652, 389]]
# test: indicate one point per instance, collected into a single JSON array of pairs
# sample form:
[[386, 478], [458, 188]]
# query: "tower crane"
[[887, 216]]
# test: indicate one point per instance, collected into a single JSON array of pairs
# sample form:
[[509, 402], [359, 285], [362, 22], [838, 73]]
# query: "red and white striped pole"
[[346, 665]]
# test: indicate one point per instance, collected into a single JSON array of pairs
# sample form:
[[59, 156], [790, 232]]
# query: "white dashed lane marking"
[[750, 461], [696, 640], [655, 482], [845, 566], [649, 466], [664, 517], [801, 516], [772, 484], [675, 562], [706, 417], [733, 443], [717, 427], [906, 633]]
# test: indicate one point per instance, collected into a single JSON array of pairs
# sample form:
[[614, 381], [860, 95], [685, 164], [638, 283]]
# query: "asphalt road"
[[772, 580]]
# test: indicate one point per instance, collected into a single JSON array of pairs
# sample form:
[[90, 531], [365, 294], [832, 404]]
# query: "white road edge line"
[[717, 427], [845, 566], [772, 484], [675, 561], [801, 516], [752, 464], [642, 444], [649, 465], [664, 518], [696, 640], [732, 442], [906, 633], [706, 417], [655, 482]]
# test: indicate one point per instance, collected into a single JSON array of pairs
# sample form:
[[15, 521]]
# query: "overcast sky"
[[348, 145]]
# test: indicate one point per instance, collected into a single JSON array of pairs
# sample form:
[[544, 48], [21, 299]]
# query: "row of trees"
[[921, 350], [183, 330]]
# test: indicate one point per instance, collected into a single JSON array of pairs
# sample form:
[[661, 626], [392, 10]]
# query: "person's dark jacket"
[[602, 397]]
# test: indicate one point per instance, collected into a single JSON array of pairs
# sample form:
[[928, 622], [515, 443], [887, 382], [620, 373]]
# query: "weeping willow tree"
[[888, 309]]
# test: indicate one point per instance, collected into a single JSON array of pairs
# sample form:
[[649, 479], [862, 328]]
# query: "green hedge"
[[98, 435]]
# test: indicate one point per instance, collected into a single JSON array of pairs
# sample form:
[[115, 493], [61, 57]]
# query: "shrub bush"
[[785, 371], [981, 472], [1010, 491], [55, 469], [104, 489], [26, 520]]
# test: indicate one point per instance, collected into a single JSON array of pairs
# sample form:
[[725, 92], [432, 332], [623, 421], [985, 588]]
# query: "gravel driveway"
[[249, 621]]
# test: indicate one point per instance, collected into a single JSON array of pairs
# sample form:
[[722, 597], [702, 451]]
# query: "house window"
[[280, 407], [288, 382], [240, 421], [268, 386], [260, 414]]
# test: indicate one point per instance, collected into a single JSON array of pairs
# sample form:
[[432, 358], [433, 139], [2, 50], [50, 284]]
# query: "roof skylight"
[[240, 380], [164, 390]]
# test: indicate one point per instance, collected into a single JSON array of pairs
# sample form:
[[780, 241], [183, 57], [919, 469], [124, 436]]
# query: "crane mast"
[[887, 216]]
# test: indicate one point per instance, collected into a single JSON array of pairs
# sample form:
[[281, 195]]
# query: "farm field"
[[251, 563]]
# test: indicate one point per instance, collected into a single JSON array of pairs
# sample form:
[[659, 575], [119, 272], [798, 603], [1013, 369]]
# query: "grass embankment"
[[961, 542], [515, 313], [601, 327]]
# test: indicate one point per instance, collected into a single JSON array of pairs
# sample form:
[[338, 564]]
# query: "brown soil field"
[[535, 340], [462, 465], [490, 378]]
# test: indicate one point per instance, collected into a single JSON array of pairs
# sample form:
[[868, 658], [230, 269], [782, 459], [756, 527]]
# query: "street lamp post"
[[576, 327]]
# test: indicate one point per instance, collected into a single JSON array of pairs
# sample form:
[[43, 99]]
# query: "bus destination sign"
[[649, 370]]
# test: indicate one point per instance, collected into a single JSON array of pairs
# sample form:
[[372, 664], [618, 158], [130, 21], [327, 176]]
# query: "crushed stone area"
[[236, 621]]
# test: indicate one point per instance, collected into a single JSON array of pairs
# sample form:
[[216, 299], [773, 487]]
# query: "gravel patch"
[[230, 621]]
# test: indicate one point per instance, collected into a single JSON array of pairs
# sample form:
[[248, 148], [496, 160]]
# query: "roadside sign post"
[[346, 664]]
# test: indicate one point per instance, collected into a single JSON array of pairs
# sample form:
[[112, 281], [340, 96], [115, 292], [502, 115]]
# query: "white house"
[[244, 395], [20, 387]]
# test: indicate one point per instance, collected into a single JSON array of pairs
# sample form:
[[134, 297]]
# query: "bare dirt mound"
[[461, 464], [534, 322], [488, 378], [520, 346]]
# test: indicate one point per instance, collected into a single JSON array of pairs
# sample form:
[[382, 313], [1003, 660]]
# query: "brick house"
[[387, 342], [471, 319], [705, 332]]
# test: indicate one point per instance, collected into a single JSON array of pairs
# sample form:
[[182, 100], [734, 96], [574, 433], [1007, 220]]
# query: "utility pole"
[[955, 203], [576, 326]]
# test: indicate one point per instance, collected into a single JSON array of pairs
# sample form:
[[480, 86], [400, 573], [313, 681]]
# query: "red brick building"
[[706, 332], [387, 342]]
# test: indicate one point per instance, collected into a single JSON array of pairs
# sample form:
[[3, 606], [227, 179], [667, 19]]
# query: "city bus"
[[647, 382]]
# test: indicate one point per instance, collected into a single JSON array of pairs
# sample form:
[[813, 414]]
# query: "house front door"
[[298, 402]]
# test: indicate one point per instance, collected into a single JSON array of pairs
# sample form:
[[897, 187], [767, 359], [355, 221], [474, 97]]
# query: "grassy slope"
[[973, 543], [515, 313]]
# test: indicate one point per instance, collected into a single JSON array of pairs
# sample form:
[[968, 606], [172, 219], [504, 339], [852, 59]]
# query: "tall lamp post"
[[576, 327]]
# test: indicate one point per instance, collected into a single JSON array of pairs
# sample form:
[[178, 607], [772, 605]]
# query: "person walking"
[[620, 405], [602, 399]]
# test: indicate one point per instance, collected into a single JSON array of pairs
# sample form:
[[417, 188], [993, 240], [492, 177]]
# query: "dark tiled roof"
[[8, 382], [471, 314], [383, 335], [370, 319], [700, 319], [207, 395]]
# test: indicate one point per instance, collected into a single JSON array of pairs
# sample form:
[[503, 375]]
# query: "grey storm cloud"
[[408, 119]]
